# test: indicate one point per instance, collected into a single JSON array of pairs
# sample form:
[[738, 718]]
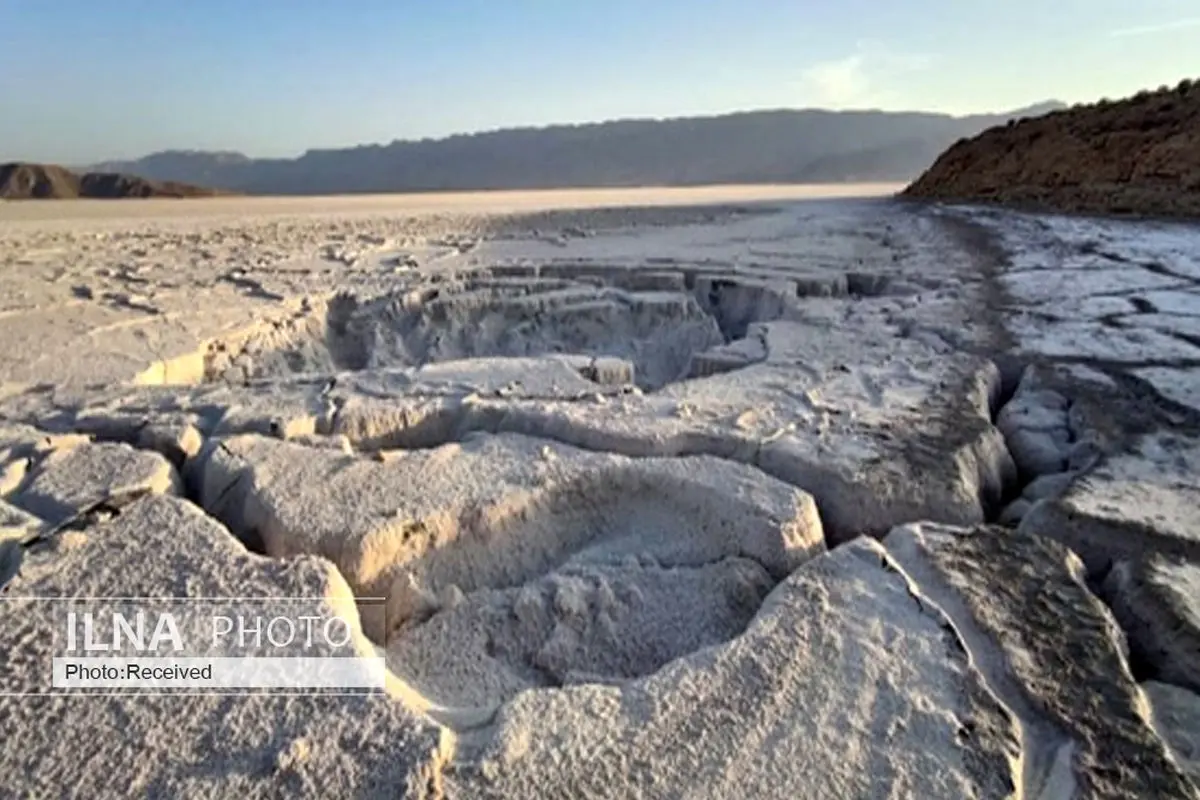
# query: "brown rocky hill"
[[47, 181], [1135, 156]]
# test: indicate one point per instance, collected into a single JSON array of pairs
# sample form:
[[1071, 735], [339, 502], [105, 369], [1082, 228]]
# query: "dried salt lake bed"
[[721, 492]]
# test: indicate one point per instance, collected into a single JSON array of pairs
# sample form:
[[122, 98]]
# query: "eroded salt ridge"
[[596, 473], [670, 323]]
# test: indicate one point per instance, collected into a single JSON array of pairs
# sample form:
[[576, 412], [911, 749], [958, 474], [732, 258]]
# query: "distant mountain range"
[[808, 146], [19, 181]]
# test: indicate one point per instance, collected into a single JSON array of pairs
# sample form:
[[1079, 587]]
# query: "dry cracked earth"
[[788, 498]]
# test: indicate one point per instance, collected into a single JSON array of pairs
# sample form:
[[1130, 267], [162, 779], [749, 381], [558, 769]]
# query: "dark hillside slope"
[[47, 181], [1139, 156]]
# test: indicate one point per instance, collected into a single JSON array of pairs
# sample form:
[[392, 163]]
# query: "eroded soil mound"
[[1136, 156]]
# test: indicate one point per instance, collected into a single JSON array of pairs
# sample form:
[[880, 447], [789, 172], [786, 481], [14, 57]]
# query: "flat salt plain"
[[732, 491]]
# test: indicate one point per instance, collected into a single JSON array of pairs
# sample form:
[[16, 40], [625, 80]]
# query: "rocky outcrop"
[[1136, 504], [898, 669], [1156, 600], [497, 512], [1139, 156], [72, 482], [1054, 655], [46, 181], [841, 658], [269, 745], [1177, 719]]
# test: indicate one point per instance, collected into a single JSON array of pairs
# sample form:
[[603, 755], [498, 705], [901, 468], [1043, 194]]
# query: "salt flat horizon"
[[422, 203]]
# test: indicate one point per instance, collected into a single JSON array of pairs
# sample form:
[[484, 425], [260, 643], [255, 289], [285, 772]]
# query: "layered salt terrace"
[[784, 498]]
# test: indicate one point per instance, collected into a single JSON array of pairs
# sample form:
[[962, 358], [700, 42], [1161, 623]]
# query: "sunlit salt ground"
[[738, 491], [1122, 292], [496, 202]]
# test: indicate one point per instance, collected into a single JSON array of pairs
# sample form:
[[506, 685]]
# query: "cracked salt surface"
[[669, 501]]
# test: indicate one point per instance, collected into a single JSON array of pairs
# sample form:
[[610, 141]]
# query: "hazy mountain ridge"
[[1140, 155], [747, 147]]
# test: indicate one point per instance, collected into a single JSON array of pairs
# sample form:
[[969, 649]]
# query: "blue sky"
[[84, 80]]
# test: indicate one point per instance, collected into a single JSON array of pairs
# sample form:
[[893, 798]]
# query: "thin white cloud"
[[1162, 27], [862, 78], [839, 82]]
